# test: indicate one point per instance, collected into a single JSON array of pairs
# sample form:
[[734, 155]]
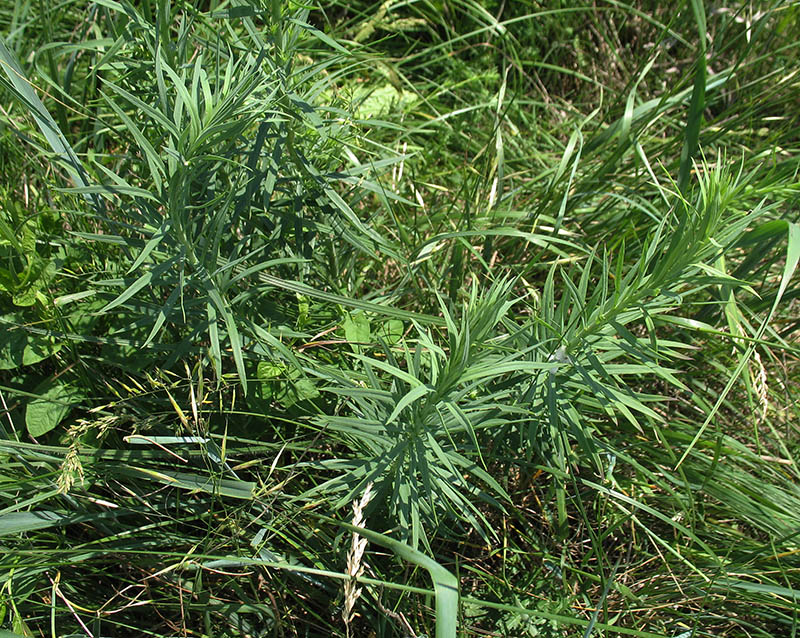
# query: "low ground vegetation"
[[438, 317]]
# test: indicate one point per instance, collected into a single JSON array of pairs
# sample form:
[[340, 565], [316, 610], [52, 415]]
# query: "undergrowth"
[[399, 319]]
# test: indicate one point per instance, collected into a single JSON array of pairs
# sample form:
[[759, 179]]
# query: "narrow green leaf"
[[694, 118], [149, 278], [163, 312], [53, 134], [151, 245], [792, 259], [193, 482], [319, 35], [153, 160], [233, 332], [410, 397], [349, 302]]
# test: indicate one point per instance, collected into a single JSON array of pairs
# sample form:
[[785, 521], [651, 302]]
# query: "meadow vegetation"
[[405, 318]]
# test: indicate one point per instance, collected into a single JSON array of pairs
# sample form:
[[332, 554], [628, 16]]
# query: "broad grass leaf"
[[213, 336], [193, 482], [789, 267], [445, 584], [236, 346], [21, 522]]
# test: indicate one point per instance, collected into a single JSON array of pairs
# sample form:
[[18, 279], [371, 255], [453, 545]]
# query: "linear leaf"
[[143, 281], [53, 134]]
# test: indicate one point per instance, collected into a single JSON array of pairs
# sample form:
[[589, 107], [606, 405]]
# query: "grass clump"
[[507, 290]]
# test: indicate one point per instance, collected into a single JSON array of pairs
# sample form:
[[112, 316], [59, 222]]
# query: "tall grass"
[[524, 271]]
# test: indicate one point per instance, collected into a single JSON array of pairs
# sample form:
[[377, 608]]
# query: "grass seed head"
[[355, 564]]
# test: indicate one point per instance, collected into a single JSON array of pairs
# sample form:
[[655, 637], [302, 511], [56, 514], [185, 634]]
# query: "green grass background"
[[525, 271]]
